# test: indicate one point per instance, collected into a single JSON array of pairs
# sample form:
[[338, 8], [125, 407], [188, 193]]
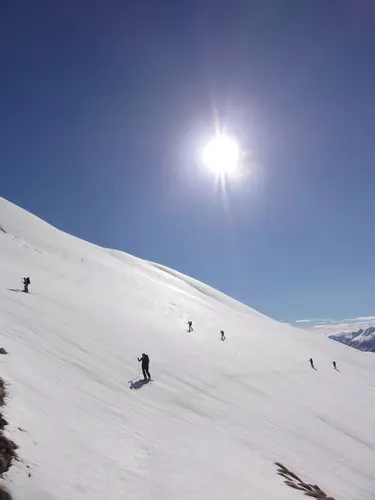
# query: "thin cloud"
[[314, 320], [359, 319], [337, 323]]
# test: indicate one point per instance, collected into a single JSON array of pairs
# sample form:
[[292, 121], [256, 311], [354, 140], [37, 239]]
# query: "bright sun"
[[221, 155]]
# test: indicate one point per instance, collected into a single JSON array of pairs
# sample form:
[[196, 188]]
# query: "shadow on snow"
[[138, 384]]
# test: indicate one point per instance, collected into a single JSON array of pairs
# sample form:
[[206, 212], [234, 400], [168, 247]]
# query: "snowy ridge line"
[[7, 446], [292, 480], [362, 339]]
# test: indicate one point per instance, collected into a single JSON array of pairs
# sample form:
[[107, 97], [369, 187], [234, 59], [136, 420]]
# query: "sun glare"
[[221, 155]]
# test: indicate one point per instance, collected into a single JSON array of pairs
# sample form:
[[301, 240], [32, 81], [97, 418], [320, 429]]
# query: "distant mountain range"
[[364, 340]]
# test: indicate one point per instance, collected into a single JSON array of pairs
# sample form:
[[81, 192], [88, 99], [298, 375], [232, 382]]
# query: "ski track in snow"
[[216, 416]]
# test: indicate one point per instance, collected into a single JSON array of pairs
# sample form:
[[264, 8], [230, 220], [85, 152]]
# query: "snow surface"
[[217, 415]]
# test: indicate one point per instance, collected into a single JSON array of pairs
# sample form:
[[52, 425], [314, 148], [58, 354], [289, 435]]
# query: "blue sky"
[[104, 105]]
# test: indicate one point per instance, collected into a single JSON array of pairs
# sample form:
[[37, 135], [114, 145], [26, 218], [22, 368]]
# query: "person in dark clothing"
[[222, 335], [190, 326], [334, 365], [145, 366], [311, 363], [26, 283]]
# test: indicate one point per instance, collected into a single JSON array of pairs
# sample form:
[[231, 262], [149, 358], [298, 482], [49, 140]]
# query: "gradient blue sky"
[[103, 106]]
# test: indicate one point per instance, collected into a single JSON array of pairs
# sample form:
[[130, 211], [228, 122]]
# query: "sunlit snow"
[[216, 416]]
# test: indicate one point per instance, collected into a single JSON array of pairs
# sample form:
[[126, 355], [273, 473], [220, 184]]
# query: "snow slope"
[[217, 415]]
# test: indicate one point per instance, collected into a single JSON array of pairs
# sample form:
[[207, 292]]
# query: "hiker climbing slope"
[[145, 360], [26, 283]]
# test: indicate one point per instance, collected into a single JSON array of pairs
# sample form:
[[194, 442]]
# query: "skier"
[[311, 363], [190, 326], [334, 365], [222, 334], [26, 283], [145, 366]]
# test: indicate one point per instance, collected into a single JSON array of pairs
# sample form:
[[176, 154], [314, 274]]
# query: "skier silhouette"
[[145, 366], [334, 365], [312, 363], [26, 283], [190, 326], [222, 335]]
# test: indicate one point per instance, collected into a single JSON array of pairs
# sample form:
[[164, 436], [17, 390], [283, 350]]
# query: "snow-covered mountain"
[[362, 339], [217, 415]]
